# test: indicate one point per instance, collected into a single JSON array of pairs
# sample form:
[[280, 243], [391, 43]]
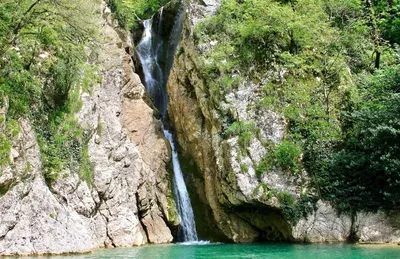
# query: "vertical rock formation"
[[246, 207], [32, 219], [156, 52], [129, 201], [229, 193]]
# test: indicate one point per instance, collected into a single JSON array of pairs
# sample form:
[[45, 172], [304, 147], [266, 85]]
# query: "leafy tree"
[[43, 65], [51, 29], [363, 174], [130, 12], [389, 19]]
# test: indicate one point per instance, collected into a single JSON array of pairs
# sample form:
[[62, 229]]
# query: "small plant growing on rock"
[[245, 130], [244, 167], [287, 156]]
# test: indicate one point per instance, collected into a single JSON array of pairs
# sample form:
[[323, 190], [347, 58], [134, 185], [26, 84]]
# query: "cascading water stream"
[[153, 74], [182, 197], [156, 56]]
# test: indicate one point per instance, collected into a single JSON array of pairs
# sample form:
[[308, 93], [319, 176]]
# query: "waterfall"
[[182, 197], [156, 52], [153, 74]]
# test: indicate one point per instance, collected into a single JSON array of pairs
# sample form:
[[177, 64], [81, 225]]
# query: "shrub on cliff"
[[130, 12], [43, 66], [364, 172], [331, 68]]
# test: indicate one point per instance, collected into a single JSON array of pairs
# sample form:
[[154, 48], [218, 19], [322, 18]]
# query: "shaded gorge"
[[156, 52]]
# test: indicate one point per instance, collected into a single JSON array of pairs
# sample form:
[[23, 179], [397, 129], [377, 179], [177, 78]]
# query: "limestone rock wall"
[[245, 206], [129, 201], [32, 219], [234, 196]]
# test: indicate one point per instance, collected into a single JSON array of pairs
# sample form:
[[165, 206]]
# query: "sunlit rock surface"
[[244, 205], [126, 203]]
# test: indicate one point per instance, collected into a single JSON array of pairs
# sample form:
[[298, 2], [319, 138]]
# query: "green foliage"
[[43, 70], [63, 143], [265, 165], [20, 86], [9, 129], [85, 167], [260, 32], [317, 161], [239, 127], [364, 172], [301, 41], [342, 12], [287, 156], [42, 43], [173, 215], [319, 56], [246, 132], [60, 145], [4, 187], [389, 19], [288, 202], [61, 77], [266, 191], [130, 12], [295, 209]]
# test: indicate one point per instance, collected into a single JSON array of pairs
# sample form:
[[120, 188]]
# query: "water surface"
[[253, 251]]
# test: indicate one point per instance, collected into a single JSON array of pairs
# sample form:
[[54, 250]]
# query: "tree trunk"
[[377, 59], [19, 26], [353, 236]]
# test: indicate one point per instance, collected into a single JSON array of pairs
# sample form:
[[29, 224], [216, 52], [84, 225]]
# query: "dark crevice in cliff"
[[9, 229], [269, 222], [206, 225], [99, 211], [159, 52], [141, 216], [96, 205], [108, 233], [156, 52], [353, 236]]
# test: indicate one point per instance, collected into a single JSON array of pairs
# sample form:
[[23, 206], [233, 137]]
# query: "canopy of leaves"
[[389, 19], [130, 12], [364, 171], [41, 44], [43, 66]]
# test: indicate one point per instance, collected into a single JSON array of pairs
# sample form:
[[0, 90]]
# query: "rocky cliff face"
[[129, 201], [245, 206]]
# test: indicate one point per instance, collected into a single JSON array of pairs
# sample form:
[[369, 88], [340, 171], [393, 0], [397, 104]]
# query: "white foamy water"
[[182, 197], [150, 51]]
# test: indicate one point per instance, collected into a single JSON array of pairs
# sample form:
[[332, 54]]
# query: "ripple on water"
[[207, 250]]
